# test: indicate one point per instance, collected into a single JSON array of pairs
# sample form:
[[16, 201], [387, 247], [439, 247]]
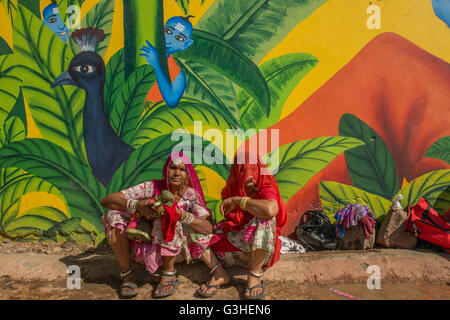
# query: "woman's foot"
[[167, 285], [219, 278], [255, 286], [128, 288]]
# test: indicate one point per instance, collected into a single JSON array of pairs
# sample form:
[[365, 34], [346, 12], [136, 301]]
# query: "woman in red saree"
[[254, 215]]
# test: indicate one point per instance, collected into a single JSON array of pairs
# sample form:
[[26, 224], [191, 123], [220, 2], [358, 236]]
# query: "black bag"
[[317, 233]]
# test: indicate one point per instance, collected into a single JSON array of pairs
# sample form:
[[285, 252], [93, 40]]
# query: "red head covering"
[[246, 165]]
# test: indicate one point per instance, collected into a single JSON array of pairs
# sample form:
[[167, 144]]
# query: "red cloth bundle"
[[169, 222], [368, 224]]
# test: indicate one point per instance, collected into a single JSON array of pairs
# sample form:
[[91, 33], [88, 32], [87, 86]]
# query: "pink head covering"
[[193, 180]]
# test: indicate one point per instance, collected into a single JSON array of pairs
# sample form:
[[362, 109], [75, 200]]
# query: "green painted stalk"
[[143, 20]]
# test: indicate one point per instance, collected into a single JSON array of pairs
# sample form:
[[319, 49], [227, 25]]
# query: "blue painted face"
[[178, 34], [53, 20]]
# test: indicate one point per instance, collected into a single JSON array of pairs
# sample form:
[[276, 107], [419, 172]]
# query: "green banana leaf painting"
[[225, 90]]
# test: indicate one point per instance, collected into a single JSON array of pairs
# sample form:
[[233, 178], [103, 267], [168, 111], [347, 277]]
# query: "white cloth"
[[290, 246]]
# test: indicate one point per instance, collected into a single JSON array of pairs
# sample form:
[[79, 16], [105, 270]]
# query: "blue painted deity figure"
[[53, 20], [178, 32]]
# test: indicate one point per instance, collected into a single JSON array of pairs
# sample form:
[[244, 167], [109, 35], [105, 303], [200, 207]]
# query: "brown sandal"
[[259, 285], [205, 294], [127, 283], [174, 283]]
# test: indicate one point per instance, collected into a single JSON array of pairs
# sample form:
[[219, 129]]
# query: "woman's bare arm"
[[260, 208], [201, 224], [117, 201]]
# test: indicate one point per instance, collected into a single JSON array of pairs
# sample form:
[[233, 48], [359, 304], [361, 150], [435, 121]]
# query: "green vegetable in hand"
[[166, 199]]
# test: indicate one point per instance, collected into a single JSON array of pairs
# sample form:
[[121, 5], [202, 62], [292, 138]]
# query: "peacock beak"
[[64, 79]]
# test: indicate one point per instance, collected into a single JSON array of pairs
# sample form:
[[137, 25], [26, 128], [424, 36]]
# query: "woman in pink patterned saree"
[[192, 230]]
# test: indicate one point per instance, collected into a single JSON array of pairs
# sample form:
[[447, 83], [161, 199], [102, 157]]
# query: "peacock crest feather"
[[88, 38]]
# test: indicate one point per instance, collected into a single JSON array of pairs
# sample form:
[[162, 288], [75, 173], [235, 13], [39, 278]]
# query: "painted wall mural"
[[92, 92]]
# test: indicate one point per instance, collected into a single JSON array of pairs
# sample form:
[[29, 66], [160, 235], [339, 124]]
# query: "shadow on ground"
[[99, 266]]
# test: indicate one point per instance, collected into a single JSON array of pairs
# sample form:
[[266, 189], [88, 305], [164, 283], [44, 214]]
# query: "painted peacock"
[[104, 149]]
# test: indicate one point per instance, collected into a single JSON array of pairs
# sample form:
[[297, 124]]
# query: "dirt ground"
[[35, 271], [275, 290]]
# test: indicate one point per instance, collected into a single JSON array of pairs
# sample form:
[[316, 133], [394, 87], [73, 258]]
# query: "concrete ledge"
[[351, 266]]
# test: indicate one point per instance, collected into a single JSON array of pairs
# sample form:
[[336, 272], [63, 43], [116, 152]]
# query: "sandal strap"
[[174, 283], [209, 286], [166, 284], [258, 296], [128, 284], [259, 285], [205, 294]]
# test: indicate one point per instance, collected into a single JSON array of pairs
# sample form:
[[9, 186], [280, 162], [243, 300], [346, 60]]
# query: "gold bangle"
[[189, 219], [186, 217], [240, 203], [243, 203]]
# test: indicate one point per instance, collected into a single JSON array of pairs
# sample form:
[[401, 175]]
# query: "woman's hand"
[[229, 205], [145, 210], [261, 208]]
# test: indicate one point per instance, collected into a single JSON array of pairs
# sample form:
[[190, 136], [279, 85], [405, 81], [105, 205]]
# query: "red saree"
[[267, 188]]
